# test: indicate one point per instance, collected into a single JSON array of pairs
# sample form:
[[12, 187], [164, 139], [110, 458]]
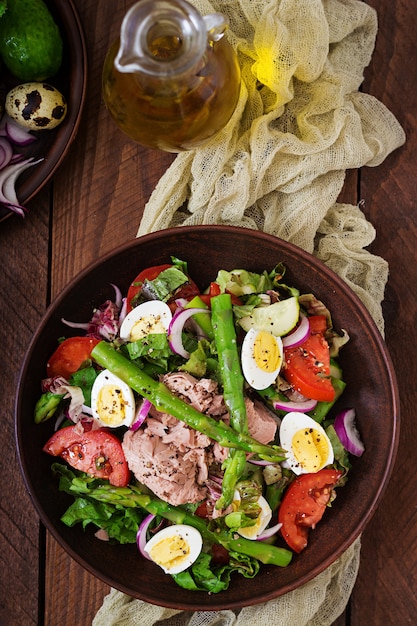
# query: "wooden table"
[[94, 203]]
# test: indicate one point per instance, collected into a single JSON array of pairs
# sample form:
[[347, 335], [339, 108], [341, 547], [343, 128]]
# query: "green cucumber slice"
[[278, 318]]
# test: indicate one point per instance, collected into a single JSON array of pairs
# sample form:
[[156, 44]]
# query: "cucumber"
[[278, 318]]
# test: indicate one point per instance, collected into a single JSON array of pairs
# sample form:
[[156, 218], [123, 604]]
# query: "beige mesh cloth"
[[279, 166], [280, 163], [317, 603]]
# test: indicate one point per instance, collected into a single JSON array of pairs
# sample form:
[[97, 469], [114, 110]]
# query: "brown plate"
[[71, 80], [371, 389]]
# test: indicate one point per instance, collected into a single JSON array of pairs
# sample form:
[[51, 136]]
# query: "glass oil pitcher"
[[172, 80]]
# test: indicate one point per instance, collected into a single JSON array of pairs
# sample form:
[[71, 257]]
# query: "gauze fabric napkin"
[[301, 122]]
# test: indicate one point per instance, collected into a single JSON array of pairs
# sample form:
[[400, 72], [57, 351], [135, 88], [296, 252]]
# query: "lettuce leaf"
[[120, 523], [205, 575]]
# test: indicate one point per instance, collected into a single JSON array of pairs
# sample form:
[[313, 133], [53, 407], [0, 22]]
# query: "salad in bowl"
[[196, 424], [204, 427]]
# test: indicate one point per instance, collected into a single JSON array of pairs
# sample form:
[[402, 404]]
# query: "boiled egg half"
[[262, 521], [308, 448], [151, 317], [112, 401], [261, 356], [175, 548]]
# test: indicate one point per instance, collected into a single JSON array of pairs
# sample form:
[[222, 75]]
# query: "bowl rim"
[[345, 543]]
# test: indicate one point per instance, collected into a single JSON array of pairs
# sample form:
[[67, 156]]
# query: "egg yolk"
[[310, 449], [111, 405], [170, 552], [145, 326], [266, 352]]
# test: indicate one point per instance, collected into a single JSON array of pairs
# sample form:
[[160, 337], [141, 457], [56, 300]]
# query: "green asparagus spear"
[[131, 496], [231, 373], [233, 382], [162, 398], [46, 406]]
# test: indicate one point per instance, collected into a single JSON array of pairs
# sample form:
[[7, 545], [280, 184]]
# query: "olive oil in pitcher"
[[172, 80]]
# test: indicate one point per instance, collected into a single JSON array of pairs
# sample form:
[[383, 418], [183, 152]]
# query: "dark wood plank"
[[24, 280], [83, 595], [385, 590], [99, 206]]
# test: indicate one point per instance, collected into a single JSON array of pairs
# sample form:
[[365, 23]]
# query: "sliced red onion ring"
[[8, 177], [82, 325], [17, 134], [141, 414], [141, 535], [260, 462], [181, 303], [346, 430], [300, 407], [6, 152], [176, 327], [299, 335], [269, 532], [118, 295]]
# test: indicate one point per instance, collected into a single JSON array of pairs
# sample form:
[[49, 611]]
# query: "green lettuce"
[[206, 575], [121, 523]]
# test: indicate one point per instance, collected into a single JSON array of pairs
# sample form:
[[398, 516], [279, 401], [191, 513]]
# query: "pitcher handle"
[[216, 25]]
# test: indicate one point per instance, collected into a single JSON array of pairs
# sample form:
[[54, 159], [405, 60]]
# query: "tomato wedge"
[[149, 273], [215, 290], [307, 368], [303, 505], [70, 355], [187, 291], [96, 452], [318, 324]]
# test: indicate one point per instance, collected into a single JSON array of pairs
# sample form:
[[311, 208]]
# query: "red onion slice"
[[299, 335], [269, 532], [141, 535], [300, 407], [141, 414], [260, 462], [346, 430], [176, 327], [8, 177], [18, 135], [6, 152]]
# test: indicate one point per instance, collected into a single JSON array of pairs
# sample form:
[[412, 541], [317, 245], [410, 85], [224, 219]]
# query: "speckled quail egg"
[[175, 548], [112, 401], [261, 358], [37, 106], [150, 317], [308, 448]]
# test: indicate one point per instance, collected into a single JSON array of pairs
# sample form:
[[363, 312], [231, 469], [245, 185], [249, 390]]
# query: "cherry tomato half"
[[96, 452], [215, 290], [303, 505], [307, 368], [69, 356]]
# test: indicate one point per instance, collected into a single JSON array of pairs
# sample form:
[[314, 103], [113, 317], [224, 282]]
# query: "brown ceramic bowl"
[[71, 80], [371, 389]]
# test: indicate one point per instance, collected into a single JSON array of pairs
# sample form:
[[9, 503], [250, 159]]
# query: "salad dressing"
[[172, 80]]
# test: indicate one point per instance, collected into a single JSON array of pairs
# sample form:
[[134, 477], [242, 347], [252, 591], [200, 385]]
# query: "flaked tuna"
[[175, 461]]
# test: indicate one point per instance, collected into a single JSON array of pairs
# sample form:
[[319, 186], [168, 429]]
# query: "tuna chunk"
[[261, 423], [173, 460], [202, 394], [171, 475]]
